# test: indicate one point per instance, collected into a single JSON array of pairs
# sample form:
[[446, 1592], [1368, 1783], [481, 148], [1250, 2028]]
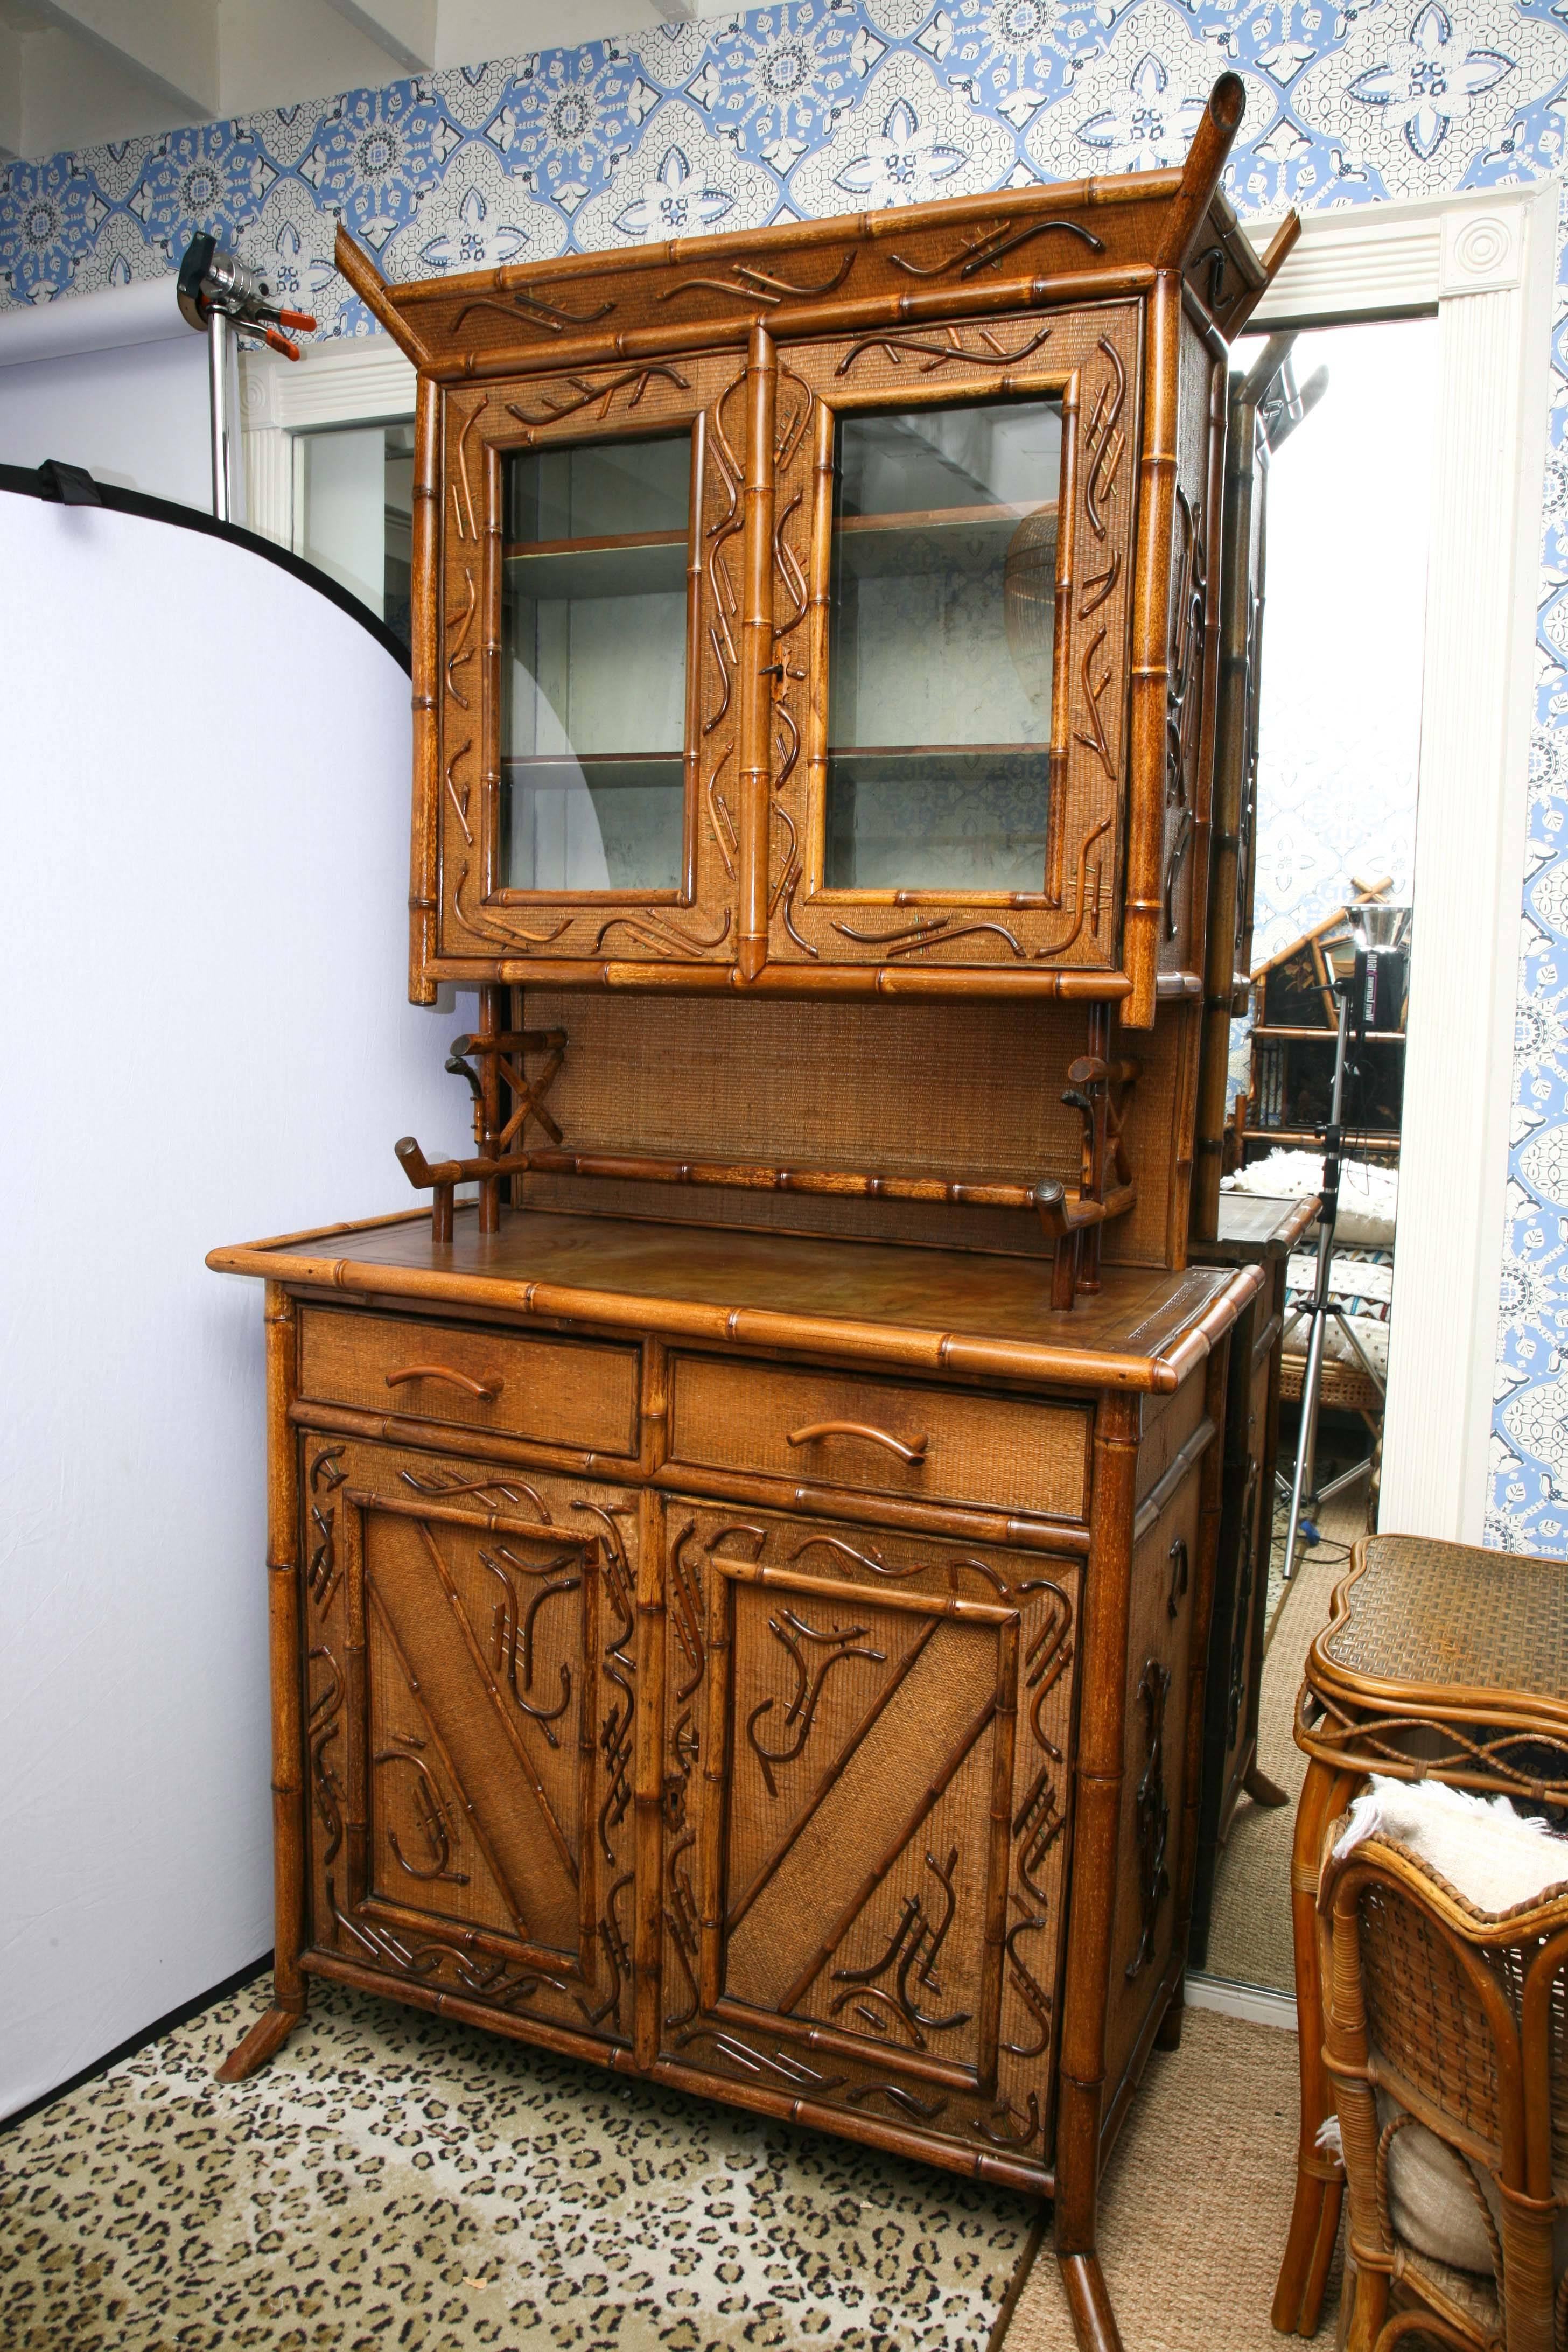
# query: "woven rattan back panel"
[[1424, 2017], [955, 1091], [1450, 1616]]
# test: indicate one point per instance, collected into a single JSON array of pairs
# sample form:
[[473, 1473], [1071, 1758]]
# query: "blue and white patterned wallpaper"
[[809, 107]]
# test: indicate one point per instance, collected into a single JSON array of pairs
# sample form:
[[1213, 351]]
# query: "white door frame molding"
[[356, 381], [1484, 263]]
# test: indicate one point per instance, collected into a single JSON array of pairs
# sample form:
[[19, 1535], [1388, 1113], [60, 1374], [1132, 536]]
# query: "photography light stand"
[[223, 300], [1374, 940]]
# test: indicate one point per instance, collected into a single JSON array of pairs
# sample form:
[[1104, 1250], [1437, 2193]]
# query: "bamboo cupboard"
[[740, 1554]]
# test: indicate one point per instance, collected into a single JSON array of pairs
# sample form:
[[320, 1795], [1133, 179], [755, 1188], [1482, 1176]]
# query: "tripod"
[[1304, 1488]]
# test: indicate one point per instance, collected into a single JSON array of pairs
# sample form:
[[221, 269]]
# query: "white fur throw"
[[1498, 1858]]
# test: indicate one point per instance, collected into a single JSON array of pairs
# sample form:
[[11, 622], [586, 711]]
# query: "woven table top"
[[1418, 1616]]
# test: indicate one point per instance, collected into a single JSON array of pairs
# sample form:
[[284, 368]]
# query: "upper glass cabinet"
[[941, 648], [827, 611], [595, 559]]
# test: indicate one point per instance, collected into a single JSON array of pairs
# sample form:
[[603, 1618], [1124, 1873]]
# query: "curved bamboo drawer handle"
[[913, 1453], [486, 1391]]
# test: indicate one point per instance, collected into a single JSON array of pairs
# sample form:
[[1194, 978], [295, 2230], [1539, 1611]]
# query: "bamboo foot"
[[1309, 2251], [1093, 2321], [1262, 1789], [267, 2036]]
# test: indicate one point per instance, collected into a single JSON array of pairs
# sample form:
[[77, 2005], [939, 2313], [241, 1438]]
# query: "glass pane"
[[354, 510], [938, 724], [593, 667]]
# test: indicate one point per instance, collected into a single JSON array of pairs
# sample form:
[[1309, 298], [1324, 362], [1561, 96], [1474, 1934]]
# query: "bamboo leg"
[[287, 2007], [1093, 2321], [1080, 2095], [1262, 1789], [1320, 2181]]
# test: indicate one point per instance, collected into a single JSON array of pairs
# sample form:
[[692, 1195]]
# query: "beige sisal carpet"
[[1249, 1937], [1196, 2202]]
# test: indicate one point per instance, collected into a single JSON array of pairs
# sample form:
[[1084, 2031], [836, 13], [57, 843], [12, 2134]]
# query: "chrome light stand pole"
[[223, 300], [1379, 932], [221, 349], [1303, 1484]]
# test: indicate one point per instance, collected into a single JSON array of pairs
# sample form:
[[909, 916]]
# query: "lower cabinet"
[[860, 1792], [754, 1800]]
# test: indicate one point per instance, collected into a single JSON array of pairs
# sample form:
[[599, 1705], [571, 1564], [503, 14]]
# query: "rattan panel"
[[1424, 2017], [961, 1092], [1153, 1757], [1168, 1423], [1452, 1616]]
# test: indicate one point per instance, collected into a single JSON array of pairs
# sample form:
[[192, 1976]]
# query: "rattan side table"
[[1440, 1661]]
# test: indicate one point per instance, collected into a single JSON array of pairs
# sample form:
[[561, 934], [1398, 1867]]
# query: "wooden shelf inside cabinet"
[[957, 539], [647, 564]]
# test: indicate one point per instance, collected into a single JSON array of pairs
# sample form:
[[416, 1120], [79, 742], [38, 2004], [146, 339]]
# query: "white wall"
[[204, 1038], [137, 415]]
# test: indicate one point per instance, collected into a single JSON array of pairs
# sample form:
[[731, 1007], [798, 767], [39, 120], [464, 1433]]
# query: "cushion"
[[1432, 2199], [1498, 1858]]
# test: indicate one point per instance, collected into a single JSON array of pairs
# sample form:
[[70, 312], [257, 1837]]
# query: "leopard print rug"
[[395, 2180]]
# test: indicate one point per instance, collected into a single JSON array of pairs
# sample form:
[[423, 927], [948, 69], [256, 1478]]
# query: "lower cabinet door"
[[868, 1774], [468, 1639]]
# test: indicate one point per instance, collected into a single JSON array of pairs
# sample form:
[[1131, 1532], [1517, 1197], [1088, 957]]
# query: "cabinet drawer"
[[835, 1429], [560, 1391]]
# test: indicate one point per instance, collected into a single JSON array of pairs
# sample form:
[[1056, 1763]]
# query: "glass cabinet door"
[[954, 521], [942, 649], [593, 684]]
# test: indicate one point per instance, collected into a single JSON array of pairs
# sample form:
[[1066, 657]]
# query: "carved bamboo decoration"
[[756, 654]]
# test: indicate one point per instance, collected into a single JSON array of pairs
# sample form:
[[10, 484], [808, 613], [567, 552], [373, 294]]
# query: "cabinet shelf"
[[606, 543], [944, 539], [644, 564], [922, 519], [592, 760]]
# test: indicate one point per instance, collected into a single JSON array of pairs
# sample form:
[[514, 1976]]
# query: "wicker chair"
[[1441, 2016], [1441, 1662]]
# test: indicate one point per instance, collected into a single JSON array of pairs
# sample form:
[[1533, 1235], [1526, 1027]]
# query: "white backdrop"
[[121, 388], [203, 1037]]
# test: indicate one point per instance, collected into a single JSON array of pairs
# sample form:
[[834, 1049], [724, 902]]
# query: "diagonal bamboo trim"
[[827, 1780], [926, 1805], [509, 1732], [511, 1895], [1160, 1494]]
